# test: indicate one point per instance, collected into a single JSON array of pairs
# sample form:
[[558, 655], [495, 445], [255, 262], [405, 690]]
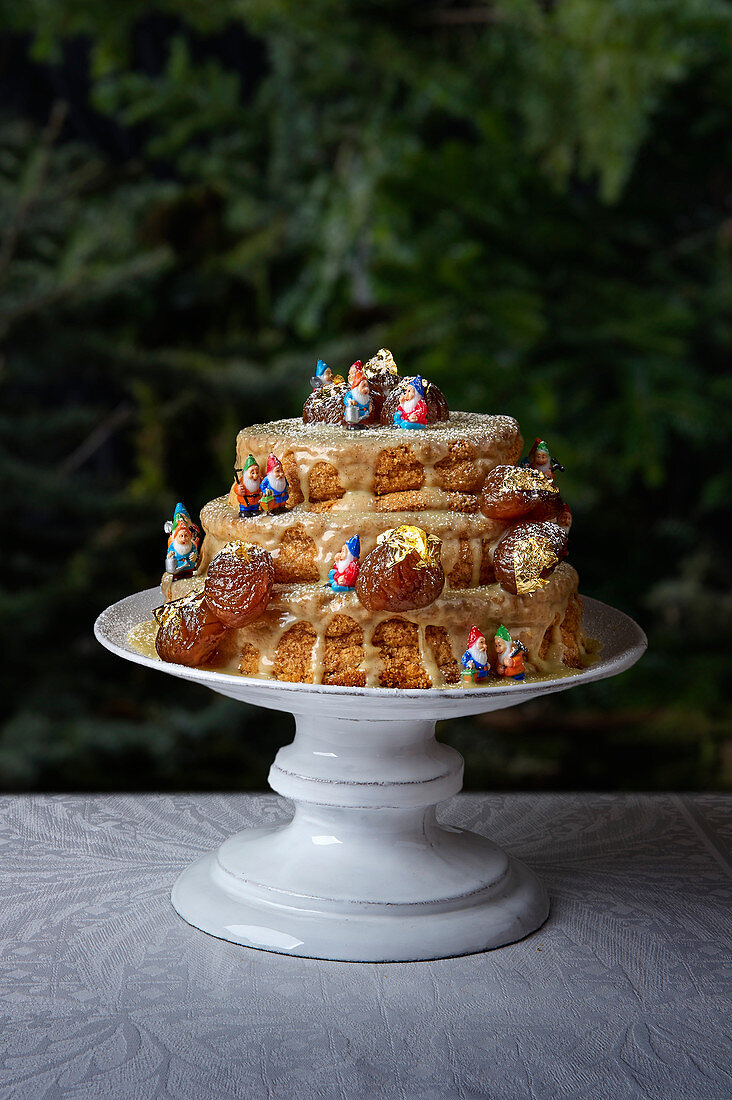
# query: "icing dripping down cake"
[[367, 482]]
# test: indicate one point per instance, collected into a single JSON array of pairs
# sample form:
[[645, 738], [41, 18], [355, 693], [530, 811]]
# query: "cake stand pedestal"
[[363, 871]]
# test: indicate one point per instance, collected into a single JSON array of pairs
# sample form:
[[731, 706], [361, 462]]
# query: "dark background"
[[529, 203]]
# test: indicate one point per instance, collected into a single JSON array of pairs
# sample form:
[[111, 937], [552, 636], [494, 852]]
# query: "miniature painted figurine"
[[323, 375], [412, 410], [540, 459], [475, 661], [344, 574], [275, 490], [509, 655], [353, 370], [183, 539], [357, 402], [247, 489]]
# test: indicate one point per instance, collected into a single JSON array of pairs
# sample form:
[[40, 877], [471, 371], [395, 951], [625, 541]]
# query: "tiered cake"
[[368, 481]]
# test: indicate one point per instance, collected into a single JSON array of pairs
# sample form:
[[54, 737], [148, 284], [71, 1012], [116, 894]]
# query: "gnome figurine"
[[540, 459], [344, 574], [275, 490], [412, 410], [323, 375], [509, 655], [357, 402], [183, 539], [247, 488], [475, 662]]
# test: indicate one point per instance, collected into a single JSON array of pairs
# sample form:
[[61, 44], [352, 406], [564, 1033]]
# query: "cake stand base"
[[363, 871], [503, 900]]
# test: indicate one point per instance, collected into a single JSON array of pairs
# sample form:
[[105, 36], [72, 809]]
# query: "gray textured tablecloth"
[[105, 992]]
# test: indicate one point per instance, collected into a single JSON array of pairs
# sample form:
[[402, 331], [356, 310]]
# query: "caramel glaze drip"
[[534, 619], [329, 530], [442, 505], [493, 441]]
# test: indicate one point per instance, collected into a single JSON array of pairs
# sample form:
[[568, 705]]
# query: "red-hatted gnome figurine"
[[248, 488], [412, 410], [275, 490], [357, 402], [541, 460], [183, 539], [509, 655], [475, 660], [344, 574]]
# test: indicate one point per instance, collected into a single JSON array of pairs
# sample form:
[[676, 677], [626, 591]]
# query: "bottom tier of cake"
[[309, 635]]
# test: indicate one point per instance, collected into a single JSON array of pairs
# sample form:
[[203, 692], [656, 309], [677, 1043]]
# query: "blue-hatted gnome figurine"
[[344, 574], [541, 460], [412, 410], [475, 660], [275, 490], [323, 375], [357, 402], [247, 488], [183, 539]]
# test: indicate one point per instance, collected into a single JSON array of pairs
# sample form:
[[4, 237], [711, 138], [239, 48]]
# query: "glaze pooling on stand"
[[536, 619]]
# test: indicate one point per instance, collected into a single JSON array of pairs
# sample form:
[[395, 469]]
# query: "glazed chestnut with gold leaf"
[[325, 406], [403, 571], [513, 492], [527, 555], [239, 583], [188, 631]]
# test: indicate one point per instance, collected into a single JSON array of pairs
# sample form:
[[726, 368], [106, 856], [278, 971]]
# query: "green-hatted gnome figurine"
[[509, 655], [541, 460], [247, 488]]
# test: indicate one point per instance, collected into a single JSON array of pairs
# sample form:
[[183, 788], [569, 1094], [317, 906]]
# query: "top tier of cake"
[[386, 469]]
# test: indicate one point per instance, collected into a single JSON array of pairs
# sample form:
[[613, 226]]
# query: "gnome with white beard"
[[275, 490], [475, 659], [344, 574], [540, 459], [412, 410], [248, 487], [183, 539]]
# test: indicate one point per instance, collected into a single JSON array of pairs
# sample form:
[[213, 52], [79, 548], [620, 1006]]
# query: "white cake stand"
[[363, 871]]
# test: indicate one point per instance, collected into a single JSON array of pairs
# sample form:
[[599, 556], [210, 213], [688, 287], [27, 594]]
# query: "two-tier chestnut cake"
[[452, 533]]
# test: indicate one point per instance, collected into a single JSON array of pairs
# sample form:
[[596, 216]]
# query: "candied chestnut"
[[403, 571], [434, 399], [513, 492], [325, 406], [239, 583], [527, 555], [188, 630]]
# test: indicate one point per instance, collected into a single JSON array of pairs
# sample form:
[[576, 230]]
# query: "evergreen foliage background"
[[529, 202]]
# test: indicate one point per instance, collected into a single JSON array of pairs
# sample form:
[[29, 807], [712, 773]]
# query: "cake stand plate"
[[363, 871]]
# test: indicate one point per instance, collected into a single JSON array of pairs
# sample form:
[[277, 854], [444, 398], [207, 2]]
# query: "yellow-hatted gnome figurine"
[[275, 489], [475, 660], [183, 541], [510, 655], [540, 459]]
